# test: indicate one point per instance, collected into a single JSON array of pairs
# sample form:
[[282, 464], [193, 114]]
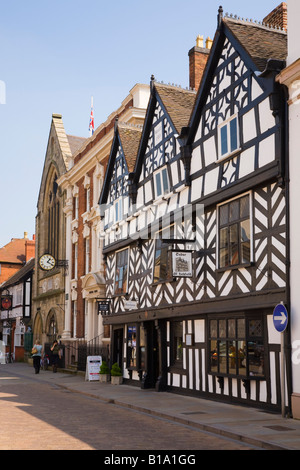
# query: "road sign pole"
[[282, 376], [280, 320]]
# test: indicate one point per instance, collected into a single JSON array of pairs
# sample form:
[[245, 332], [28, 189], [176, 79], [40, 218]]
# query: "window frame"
[[235, 222], [123, 292], [118, 214], [159, 173], [176, 362], [227, 125], [166, 247], [245, 358]]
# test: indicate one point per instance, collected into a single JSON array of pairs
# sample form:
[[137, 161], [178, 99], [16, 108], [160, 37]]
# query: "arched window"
[[53, 218]]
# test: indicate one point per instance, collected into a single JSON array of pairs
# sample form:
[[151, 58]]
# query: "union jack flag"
[[92, 126]]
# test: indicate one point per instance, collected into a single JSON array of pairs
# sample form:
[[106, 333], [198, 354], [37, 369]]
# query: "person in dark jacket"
[[55, 349]]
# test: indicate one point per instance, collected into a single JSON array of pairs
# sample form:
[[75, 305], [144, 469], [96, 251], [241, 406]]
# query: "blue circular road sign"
[[280, 317]]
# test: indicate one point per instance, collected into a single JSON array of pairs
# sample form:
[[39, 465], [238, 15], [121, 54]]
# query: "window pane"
[[214, 356], [241, 328], [244, 207], [177, 340], [224, 145], [234, 210], [233, 134], [234, 246], [142, 349], [165, 180], [131, 346], [231, 328], [223, 212], [245, 241], [224, 249], [158, 184], [242, 370], [222, 357], [213, 328], [121, 272], [256, 358], [222, 328], [255, 328], [232, 357]]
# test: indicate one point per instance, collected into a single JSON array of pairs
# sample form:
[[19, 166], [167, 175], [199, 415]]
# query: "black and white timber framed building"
[[207, 170]]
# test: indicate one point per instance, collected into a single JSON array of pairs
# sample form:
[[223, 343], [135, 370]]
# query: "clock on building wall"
[[47, 262]]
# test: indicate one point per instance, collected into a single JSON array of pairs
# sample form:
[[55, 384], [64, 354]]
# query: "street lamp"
[[6, 304]]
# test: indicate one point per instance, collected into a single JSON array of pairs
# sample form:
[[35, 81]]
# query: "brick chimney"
[[29, 248], [198, 56], [278, 17]]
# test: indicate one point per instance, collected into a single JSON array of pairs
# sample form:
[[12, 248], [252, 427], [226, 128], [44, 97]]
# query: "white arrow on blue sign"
[[280, 317]]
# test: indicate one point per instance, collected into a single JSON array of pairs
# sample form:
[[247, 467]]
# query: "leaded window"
[[121, 272], [236, 346], [162, 260], [234, 232]]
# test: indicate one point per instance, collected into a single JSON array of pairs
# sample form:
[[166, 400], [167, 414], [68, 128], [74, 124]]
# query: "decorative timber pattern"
[[226, 150]]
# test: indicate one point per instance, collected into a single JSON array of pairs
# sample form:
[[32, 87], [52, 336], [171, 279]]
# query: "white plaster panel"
[[247, 162], [249, 127]]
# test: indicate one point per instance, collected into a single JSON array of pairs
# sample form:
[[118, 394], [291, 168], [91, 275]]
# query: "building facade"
[[289, 78], [48, 320], [196, 238], [81, 185]]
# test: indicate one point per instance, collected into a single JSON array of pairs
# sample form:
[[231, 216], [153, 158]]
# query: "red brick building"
[[14, 255]]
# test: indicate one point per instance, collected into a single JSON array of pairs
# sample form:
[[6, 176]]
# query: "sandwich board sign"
[[92, 370]]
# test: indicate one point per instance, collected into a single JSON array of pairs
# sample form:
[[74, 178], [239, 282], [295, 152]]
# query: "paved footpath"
[[247, 425]]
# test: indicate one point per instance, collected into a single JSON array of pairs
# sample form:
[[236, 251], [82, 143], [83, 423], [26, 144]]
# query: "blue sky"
[[55, 55]]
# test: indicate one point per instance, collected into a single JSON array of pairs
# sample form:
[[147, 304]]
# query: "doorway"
[[117, 353]]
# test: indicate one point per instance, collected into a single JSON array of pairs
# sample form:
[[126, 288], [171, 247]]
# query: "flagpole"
[[91, 127]]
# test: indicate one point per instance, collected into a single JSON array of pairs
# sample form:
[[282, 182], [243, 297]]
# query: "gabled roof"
[[259, 41], [178, 103], [130, 139], [128, 136], [256, 43]]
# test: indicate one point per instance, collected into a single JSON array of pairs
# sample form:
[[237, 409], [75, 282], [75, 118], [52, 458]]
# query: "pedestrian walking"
[[37, 354], [55, 349]]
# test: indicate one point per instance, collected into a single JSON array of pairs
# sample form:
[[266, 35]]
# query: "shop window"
[[234, 237], [236, 347], [177, 343], [131, 346], [121, 272]]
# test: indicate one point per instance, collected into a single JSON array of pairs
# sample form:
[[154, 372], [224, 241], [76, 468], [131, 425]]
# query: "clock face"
[[47, 262]]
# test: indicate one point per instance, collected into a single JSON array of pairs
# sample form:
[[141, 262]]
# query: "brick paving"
[[37, 415]]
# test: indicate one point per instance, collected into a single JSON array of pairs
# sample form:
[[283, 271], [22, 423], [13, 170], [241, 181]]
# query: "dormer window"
[[161, 182], [228, 136]]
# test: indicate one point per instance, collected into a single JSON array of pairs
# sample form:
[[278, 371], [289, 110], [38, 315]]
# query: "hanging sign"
[[182, 264], [103, 307], [93, 364], [6, 302]]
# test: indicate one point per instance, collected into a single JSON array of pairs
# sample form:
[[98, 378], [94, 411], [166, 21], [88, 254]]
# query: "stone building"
[[50, 267]]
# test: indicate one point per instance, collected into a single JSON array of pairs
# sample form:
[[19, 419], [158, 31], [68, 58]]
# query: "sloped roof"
[[75, 143], [130, 139], [19, 275], [259, 41], [178, 102], [14, 251]]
